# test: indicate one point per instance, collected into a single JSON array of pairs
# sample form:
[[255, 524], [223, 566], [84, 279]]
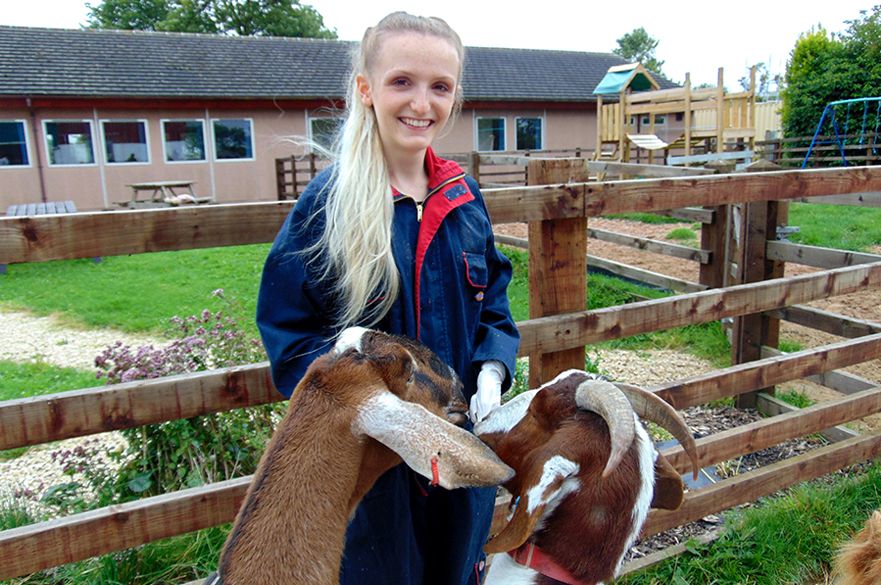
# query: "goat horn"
[[605, 399], [652, 407]]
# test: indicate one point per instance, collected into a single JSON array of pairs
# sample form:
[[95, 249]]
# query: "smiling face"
[[411, 85]]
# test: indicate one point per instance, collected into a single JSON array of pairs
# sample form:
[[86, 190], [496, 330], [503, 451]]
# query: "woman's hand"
[[489, 390]]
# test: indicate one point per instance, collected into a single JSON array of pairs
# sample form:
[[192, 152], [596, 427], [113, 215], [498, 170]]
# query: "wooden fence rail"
[[87, 235]]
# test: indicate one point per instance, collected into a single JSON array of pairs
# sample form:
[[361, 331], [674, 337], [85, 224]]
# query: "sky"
[[695, 37]]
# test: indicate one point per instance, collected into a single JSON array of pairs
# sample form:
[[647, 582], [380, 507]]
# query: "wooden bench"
[[48, 208]]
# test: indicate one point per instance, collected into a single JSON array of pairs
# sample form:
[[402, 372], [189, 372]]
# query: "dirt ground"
[[862, 305]]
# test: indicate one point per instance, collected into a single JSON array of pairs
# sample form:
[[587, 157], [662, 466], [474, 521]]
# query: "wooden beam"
[[645, 171], [700, 307], [762, 373], [700, 214], [557, 267], [618, 269], [644, 276], [524, 204], [834, 323], [839, 381], [789, 423], [40, 419], [87, 235], [655, 194], [650, 245], [712, 157], [870, 199], [56, 542], [655, 558], [817, 256], [750, 486], [772, 406]]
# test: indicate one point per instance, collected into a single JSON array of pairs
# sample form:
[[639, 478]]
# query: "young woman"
[[394, 237]]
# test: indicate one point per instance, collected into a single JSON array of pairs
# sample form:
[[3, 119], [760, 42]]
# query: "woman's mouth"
[[417, 124]]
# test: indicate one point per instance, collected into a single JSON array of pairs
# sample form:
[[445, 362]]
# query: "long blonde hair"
[[356, 245]]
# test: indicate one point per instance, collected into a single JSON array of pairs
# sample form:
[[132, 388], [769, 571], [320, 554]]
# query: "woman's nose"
[[419, 104]]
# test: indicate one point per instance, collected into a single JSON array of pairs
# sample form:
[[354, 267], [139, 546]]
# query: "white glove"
[[489, 390]]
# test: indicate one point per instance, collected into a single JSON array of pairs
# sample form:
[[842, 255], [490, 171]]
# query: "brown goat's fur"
[[588, 530], [859, 561], [291, 526]]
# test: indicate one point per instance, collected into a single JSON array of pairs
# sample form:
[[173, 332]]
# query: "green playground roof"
[[620, 77]]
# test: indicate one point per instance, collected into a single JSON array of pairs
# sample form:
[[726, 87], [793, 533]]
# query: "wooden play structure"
[[683, 120]]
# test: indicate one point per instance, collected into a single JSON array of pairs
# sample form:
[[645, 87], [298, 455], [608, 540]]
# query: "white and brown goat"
[[586, 475], [360, 409]]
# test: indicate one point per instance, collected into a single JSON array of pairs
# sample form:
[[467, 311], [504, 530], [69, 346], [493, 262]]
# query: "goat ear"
[[542, 485], [669, 490], [431, 446]]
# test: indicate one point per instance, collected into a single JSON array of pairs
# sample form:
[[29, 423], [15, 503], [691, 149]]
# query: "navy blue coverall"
[[452, 298]]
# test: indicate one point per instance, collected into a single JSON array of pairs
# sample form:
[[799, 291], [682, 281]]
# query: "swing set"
[[839, 131]]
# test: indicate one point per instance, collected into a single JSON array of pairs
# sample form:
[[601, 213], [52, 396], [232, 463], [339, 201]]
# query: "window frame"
[[49, 162], [202, 160], [541, 133], [29, 153], [504, 120], [311, 134], [216, 158], [104, 156]]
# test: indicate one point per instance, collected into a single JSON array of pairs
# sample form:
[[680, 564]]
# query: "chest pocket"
[[476, 272]]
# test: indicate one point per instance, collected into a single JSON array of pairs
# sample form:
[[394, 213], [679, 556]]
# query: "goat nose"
[[457, 414]]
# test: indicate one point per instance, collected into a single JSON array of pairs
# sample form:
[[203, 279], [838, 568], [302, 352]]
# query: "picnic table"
[[163, 193]]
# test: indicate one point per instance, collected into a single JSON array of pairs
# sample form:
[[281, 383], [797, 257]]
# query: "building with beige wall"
[[85, 113]]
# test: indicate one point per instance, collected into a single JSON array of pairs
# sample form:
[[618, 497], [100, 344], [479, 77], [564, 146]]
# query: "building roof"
[[40, 62]]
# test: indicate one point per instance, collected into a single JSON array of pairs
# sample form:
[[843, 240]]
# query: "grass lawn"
[[137, 293], [836, 226]]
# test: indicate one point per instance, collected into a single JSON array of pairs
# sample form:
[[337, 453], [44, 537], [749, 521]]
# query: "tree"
[[764, 81], [824, 68], [282, 18], [638, 45]]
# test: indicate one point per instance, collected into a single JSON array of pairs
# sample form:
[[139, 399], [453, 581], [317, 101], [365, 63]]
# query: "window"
[[490, 134], [528, 133], [69, 142], [324, 130], [183, 140], [125, 141], [13, 144], [233, 140]]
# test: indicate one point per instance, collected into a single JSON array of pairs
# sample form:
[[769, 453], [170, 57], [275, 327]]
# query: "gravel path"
[[27, 337], [30, 338]]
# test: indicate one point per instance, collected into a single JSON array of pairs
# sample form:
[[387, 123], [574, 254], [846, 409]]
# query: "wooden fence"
[[558, 204], [857, 149]]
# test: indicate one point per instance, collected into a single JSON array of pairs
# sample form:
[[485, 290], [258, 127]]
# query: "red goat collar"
[[533, 557]]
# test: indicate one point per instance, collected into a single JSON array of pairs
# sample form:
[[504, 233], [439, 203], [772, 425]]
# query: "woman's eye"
[[400, 81], [441, 87]]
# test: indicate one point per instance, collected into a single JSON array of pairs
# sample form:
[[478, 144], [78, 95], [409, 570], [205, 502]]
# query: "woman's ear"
[[364, 90]]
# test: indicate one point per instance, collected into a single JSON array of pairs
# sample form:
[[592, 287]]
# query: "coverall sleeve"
[[293, 312], [497, 335]]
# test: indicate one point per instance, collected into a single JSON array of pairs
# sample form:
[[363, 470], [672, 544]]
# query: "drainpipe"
[[37, 150]]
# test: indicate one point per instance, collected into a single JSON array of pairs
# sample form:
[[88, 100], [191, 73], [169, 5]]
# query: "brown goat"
[[859, 561], [586, 475], [362, 408]]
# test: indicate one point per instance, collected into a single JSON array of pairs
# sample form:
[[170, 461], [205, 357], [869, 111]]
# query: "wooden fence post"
[[557, 265], [474, 166], [758, 224]]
